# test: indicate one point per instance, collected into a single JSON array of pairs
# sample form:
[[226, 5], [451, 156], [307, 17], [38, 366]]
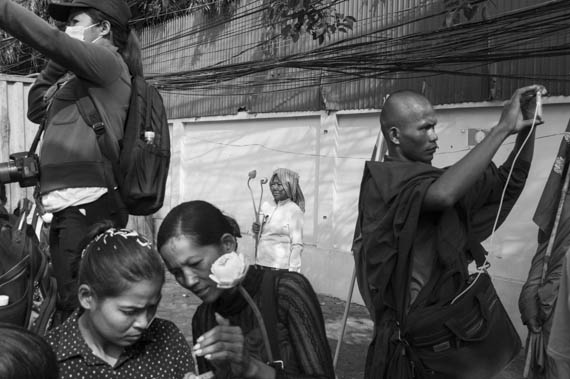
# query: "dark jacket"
[[69, 155]]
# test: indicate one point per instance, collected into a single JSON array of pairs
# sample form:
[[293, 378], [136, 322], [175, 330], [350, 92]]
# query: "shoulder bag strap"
[[47, 309], [20, 240], [37, 137]]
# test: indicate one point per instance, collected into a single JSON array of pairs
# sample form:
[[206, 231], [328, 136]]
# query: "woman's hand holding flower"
[[224, 344]]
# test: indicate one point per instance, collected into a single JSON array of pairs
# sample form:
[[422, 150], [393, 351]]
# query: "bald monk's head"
[[408, 124]]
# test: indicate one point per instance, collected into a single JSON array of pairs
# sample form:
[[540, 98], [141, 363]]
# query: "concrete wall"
[[212, 157]]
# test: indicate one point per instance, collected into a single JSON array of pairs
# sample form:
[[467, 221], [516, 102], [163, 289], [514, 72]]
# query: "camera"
[[23, 168]]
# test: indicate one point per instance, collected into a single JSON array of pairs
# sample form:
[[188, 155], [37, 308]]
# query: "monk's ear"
[[394, 135]]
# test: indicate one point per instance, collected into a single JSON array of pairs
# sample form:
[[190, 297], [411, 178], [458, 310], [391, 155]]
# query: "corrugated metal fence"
[[16, 131], [194, 43]]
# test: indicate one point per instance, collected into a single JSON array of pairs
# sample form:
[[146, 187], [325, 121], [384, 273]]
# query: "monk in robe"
[[421, 225]]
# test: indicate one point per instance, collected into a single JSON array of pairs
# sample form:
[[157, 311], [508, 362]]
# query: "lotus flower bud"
[[229, 270], [252, 174]]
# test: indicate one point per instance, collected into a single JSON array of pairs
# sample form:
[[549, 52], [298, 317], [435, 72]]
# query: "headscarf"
[[290, 181]]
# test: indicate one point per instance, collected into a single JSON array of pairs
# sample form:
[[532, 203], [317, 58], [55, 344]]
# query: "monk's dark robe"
[[392, 221]]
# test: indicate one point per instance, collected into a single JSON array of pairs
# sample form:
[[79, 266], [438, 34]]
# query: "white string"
[[483, 268]]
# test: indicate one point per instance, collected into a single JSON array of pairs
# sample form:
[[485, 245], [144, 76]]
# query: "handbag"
[[16, 274], [25, 275], [470, 338]]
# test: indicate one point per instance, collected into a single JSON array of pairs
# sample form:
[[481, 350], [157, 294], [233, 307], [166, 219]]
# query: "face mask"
[[78, 31]]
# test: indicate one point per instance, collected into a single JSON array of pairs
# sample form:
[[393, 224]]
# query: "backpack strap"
[[93, 119], [47, 309], [269, 306], [90, 114]]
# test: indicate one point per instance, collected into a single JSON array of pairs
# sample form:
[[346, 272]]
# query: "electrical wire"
[[365, 53], [229, 55]]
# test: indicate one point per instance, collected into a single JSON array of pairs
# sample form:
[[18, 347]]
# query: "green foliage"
[[459, 11], [15, 57], [292, 18], [284, 18], [287, 18], [155, 11], [148, 12]]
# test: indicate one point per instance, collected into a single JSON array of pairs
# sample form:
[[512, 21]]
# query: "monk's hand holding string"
[[224, 344], [512, 115]]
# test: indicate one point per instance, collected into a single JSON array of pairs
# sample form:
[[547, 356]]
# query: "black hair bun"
[[96, 229]]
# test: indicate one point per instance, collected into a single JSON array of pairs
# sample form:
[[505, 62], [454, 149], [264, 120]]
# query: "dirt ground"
[[179, 304]]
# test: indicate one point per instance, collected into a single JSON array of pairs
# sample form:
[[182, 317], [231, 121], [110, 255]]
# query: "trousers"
[[68, 229]]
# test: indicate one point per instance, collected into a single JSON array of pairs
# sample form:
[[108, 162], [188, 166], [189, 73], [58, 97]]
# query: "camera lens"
[[9, 172]]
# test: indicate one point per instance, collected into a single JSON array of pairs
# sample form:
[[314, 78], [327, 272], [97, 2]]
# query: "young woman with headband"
[[114, 333]]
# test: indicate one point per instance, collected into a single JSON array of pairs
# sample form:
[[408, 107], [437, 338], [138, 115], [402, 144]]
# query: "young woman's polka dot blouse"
[[161, 353]]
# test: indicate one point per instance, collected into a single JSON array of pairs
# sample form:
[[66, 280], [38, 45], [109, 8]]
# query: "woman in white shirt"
[[280, 229]]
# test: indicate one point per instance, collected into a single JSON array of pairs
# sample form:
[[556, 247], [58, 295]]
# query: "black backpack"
[[25, 273], [142, 168]]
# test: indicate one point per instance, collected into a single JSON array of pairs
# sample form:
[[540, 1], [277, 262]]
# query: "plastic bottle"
[[4, 300]]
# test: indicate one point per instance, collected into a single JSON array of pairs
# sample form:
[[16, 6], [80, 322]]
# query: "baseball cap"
[[117, 11]]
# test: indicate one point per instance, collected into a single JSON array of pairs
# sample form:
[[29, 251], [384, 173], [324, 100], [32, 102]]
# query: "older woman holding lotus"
[[280, 230]]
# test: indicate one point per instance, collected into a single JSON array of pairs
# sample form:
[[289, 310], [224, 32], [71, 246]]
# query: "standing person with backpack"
[[227, 338], [93, 58]]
